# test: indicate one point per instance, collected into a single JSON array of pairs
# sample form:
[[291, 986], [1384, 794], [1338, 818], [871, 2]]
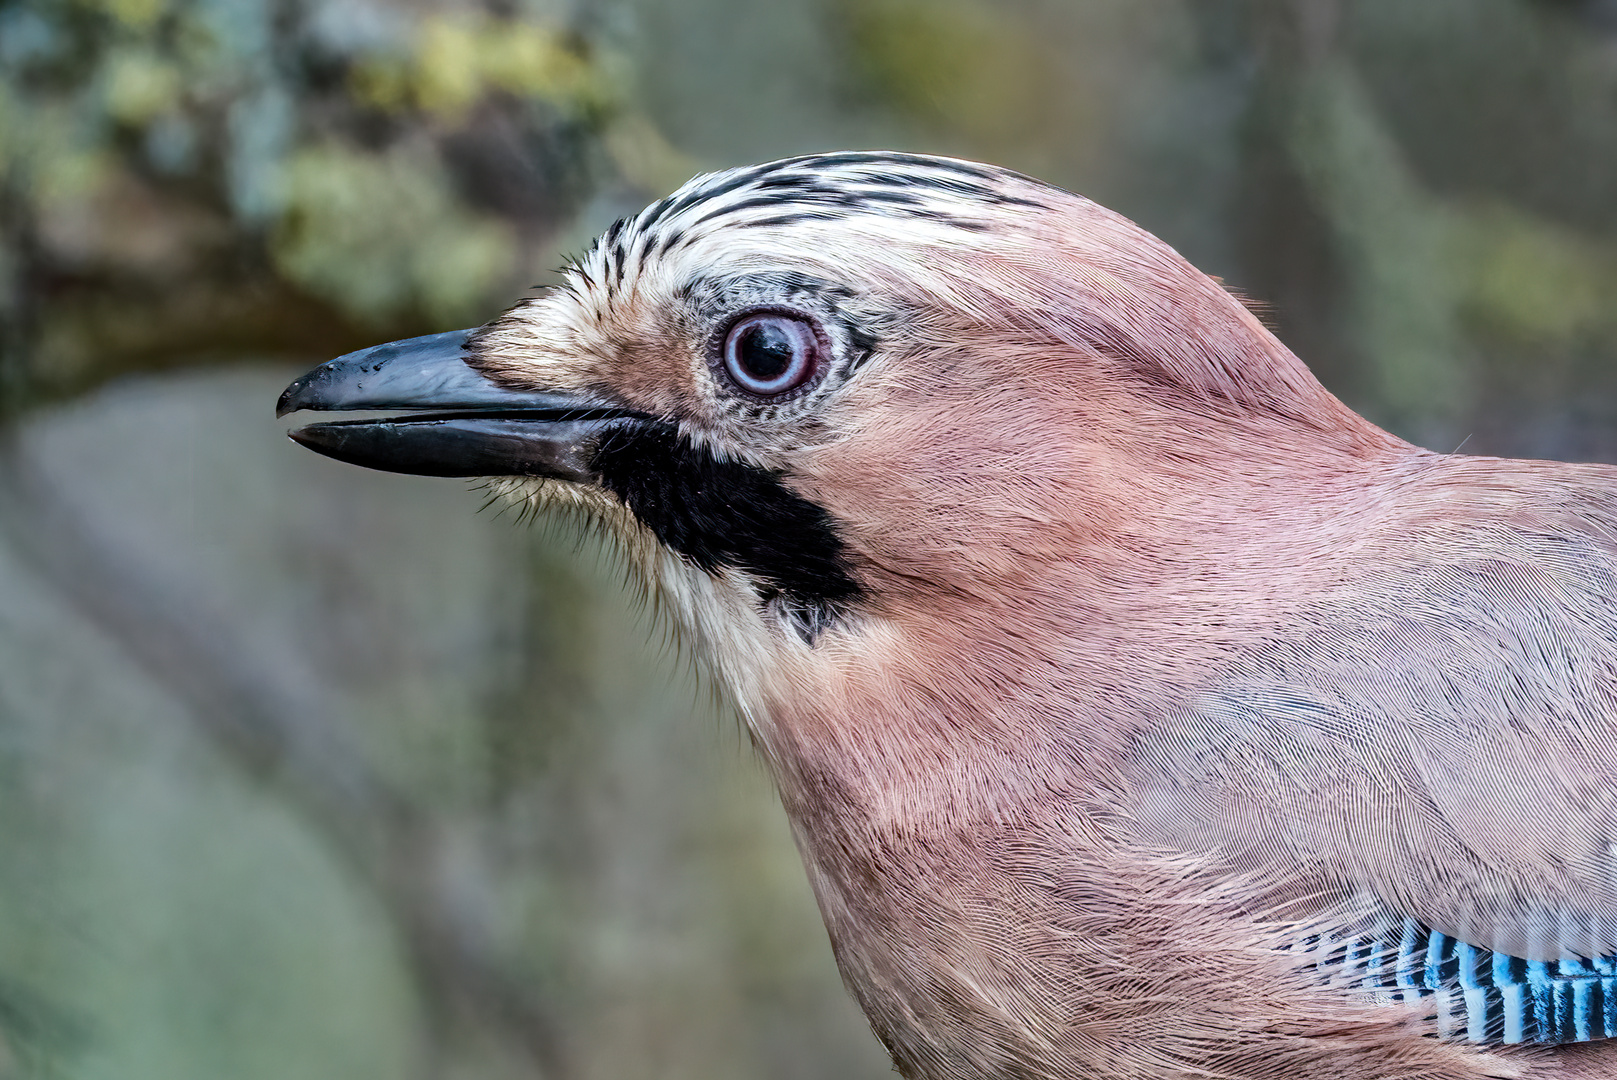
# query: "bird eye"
[[768, 354]]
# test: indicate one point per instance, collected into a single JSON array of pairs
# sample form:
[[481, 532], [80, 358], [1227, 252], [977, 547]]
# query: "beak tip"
[[427, 371], [294, 397], [327, 439]]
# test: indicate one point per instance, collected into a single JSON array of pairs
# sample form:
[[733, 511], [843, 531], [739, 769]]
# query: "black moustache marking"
[[720, 514]]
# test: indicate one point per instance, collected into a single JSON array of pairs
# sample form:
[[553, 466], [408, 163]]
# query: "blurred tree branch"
[[181, 178]]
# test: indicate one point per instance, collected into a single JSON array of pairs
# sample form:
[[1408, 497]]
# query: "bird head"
[[881, 429]]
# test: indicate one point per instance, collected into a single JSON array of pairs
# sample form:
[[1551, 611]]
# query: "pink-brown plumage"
[[1162, 661]]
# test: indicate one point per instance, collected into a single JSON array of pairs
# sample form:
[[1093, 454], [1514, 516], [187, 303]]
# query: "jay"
[[1140, 710]]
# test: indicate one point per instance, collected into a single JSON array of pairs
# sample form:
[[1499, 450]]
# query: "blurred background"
[[311, 772]]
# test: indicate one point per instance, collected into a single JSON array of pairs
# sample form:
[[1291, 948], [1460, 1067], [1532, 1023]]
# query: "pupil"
[[766, 352]]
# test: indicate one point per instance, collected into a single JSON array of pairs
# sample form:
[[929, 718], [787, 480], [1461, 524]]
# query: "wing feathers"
[[1439, 730], [1476, 994]]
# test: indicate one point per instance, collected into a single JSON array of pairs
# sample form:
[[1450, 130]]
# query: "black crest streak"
[[873, 178], [753, 203], [734, 182], [889, 158], [619, 255], [793, 219], [613, 232], [648, 217], [718, 514]]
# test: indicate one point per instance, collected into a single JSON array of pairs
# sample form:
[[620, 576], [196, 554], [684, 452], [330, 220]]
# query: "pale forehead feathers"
[[837, 212]]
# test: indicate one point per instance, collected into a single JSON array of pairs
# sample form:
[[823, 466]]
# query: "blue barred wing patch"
[[1476, 994]]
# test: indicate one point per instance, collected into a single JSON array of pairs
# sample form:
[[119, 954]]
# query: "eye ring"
[[768, 354]]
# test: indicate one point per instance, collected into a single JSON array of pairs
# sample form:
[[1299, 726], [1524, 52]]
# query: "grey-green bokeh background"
[[309, 772]]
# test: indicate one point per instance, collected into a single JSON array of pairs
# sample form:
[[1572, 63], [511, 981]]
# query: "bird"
[[1139, 709]]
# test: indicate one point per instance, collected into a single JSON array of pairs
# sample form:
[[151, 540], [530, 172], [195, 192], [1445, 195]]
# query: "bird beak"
[[469, 425]]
